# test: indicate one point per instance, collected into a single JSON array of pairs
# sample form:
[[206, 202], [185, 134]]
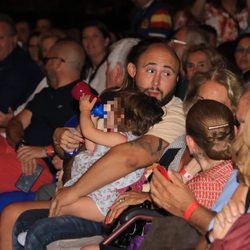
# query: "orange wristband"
[[190, 209]]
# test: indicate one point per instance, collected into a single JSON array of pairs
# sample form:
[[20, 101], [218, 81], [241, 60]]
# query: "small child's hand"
[[85, 105]]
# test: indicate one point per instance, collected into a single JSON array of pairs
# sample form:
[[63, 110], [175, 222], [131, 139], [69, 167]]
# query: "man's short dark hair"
[[9, 21]]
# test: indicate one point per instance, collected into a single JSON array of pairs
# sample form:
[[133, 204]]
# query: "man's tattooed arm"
[[154, 146]]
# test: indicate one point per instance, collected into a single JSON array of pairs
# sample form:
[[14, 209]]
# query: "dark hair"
[[141, 111], [211, 125], [9, 21], [99, 25]]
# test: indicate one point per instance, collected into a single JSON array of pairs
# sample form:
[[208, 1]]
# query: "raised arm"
[[88, 127], [119, 161], [175, 197]]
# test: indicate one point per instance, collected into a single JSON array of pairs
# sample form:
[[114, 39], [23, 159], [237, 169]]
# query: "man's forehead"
[[159, 52]]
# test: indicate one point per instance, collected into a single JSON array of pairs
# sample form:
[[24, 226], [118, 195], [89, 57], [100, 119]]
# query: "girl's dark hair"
[[141, 111], [211, 125]]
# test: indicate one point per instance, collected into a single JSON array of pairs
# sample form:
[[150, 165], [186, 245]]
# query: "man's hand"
[[69, 139], [226, 218], [27, 153], [127, 199], [5, 117], [29, 167], [172, 195], [63, 197]]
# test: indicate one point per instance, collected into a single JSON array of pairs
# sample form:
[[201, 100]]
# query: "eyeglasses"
[[46, 59], [241, 50], [200, 66]]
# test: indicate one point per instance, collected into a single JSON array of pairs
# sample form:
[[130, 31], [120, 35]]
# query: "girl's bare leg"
[[9, 216], [85, 208]]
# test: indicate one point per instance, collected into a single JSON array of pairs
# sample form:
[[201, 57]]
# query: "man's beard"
[[166, 99]]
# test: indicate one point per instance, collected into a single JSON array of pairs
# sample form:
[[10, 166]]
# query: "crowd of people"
[[177, 79]]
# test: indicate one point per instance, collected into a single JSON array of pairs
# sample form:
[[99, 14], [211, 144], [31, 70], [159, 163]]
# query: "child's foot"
[[21, 238]]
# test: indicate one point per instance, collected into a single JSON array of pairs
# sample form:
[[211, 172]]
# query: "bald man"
[[34, 126]]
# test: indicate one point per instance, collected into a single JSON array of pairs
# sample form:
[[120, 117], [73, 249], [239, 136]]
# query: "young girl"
[[129, 116]]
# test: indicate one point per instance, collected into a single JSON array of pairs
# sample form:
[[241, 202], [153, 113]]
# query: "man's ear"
[[131, 69]]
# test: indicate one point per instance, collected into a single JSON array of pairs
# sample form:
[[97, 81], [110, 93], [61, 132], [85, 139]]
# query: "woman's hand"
[[172, 195], [127, 199], [86, 104], [226, 218]]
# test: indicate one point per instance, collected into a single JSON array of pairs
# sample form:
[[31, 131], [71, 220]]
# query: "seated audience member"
[[19, 74], [218, 84], [115, 67], [227, 17], [33, 127], [181, 40], [242, 53], [46, 42], [43, 25], [155, 76], [184, 37], [201, 58], [34, 48], [198, 58], [95, 41], [23, 32], [209, 137], [228, 231], [153, 19]]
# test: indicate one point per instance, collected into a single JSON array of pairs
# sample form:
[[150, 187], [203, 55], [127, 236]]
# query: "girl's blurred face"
[[94, 42]]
